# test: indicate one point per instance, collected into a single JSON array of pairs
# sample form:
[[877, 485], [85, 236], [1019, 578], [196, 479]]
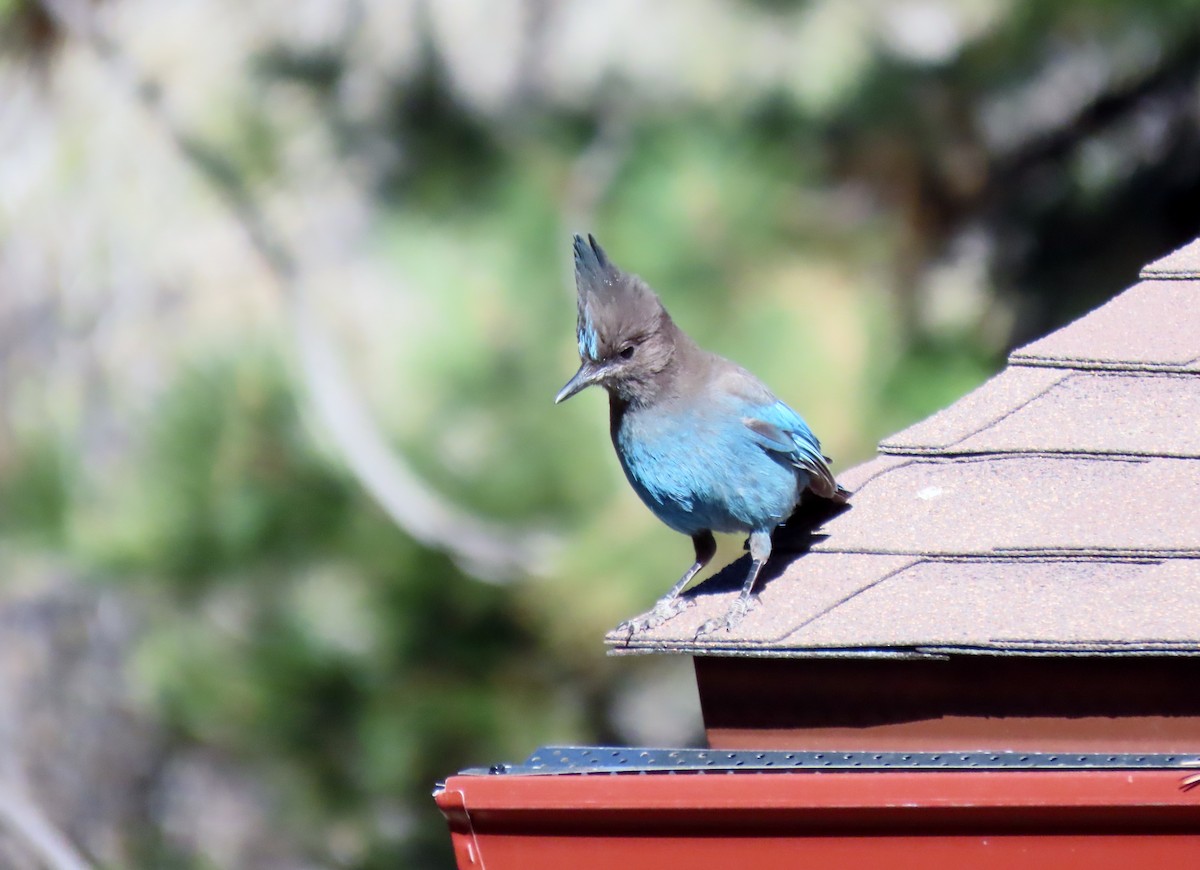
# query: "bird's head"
[[626, 338]]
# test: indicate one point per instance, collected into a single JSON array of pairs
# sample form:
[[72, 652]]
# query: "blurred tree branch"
[[1172, 79], [26, 821], [589, 178], [487, 550], [940, 176]]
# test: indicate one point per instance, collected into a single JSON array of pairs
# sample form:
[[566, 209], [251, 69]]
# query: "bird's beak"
[[588, 374]]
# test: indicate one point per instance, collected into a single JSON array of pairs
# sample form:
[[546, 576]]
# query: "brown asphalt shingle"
[[1052, 510], [1153, 326], [1055, 411], [1026, 503]]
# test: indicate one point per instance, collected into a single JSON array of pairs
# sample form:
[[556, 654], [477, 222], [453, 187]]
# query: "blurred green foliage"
[[297, 630], [294, 627]]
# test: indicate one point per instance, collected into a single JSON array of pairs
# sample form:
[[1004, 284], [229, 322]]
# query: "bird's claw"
[[663, 610], [732, 617]]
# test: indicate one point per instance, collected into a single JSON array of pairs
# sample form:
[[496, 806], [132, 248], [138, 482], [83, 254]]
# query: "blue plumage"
[[703, 467], [703, 442]]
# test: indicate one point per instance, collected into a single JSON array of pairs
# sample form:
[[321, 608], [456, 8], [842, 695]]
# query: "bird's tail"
[[839, 495]]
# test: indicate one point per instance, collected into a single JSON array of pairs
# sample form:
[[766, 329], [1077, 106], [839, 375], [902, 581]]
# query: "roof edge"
[[1106, 650], [1028, 360]]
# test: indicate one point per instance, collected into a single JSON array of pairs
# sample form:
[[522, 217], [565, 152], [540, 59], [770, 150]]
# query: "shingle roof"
[[1052, 510]]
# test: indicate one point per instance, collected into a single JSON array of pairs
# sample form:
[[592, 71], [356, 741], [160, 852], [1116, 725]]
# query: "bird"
[[703, 442]]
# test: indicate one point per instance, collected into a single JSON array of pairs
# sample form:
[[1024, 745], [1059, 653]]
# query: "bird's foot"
[[732, 617], [663, 610]]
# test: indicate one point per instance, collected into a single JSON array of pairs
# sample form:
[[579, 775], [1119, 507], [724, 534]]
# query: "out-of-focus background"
[[289, 525]]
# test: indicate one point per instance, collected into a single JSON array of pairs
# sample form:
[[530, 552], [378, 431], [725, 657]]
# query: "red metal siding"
[[899, 819]]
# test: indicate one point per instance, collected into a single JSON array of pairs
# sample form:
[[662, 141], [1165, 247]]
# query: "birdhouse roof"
[[1053, 510]]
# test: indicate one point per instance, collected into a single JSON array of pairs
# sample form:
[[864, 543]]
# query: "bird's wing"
[[776, 427]]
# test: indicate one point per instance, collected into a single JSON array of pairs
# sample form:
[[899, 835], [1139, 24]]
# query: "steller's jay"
[[702, 441]]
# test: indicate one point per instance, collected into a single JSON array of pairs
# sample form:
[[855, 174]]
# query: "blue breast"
[[702, 468]]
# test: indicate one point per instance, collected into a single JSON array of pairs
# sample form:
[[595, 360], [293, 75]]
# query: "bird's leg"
[[671, 604], [705, 546], [760, 551]]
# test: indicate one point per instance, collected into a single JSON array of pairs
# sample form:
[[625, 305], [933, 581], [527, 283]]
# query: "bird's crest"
[[614, 306]]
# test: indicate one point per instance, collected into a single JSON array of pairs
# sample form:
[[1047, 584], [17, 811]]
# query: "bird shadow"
[[789, 542], [798, 533]]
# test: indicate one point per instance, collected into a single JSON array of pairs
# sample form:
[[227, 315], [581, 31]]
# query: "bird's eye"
[[626, 352]]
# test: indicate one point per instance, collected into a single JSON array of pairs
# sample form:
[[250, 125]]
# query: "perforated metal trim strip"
[[561, 760]]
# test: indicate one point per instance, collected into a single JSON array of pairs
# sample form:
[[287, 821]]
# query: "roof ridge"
[[951, 453], [1017, 359], [1025, 554], [1149, 274], [1048, 557], [1053, 649], [985, 455], [1116, 643]]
